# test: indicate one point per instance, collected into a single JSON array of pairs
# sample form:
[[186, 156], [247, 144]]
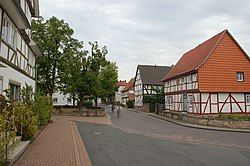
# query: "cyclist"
[[118, 111]]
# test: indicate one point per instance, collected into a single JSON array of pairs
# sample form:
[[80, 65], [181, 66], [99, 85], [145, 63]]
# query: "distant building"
[[147, 79], [128, 93], [59, 99], [118, 94], [17, 50], [212, 78]]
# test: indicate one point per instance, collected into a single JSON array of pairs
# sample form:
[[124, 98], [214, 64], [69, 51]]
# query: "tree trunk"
[[80, 104], [95, 102], [74, 99], [53, 78]]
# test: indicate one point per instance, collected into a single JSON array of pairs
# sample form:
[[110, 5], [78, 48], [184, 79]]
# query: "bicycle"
[[118, 114]]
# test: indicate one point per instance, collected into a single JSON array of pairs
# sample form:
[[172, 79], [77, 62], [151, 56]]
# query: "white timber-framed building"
[[147, 80], [17, 50], [212, 78]]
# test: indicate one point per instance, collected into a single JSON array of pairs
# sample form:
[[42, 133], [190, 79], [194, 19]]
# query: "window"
[[69, 100], [1, 85], [190, 100], [248, 99], [169, 100], [240, 76], [5, 29], [14, 91], [55, 100], [13, 36]]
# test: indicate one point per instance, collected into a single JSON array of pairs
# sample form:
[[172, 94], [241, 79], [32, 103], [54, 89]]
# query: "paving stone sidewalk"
[[60, 144]]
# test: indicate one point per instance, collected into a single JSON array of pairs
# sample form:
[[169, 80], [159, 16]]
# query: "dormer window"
[[240, 76]]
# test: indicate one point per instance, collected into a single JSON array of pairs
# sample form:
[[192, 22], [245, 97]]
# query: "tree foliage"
[[158, 97], [68, 66], [53, 36]]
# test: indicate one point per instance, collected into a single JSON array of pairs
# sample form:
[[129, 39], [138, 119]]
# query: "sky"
[[151, 32]]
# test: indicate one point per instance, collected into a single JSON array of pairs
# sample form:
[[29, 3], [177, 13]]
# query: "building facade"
[[17, 50], [148, 81], [128, 92], [59, 99], [118, 94], [212, 78]]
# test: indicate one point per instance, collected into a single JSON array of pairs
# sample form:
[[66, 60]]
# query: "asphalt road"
[[151, 126], [137, 139], [109, 146]]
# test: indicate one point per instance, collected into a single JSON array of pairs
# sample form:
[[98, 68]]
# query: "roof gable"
[[218, 72], [130, 85], [121, 83], [152, 74], [194, 58]]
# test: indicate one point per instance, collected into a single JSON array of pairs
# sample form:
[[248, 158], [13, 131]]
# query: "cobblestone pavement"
[[59, 145], [145, 125]]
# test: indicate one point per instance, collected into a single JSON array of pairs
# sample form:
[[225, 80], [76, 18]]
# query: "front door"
[[185, 102]]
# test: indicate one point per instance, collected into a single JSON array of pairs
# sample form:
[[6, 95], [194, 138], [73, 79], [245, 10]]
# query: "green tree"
[[72, 68], [108, 79], [52, 36], [73, 72], [96, 62]]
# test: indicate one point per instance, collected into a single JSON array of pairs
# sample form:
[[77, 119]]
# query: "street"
[[137, 139]]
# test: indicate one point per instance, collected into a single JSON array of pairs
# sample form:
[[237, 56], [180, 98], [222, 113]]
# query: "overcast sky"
[[151, 31]]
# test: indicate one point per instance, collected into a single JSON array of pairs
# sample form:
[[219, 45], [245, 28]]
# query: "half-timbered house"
[[118, 94], [212, 78], [128, 93], [147, 80], [17, 49]]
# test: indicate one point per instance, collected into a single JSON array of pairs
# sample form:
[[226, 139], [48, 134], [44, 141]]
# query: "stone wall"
[[208, 120]]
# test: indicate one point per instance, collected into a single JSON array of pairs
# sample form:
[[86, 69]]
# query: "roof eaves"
[[179, 75]]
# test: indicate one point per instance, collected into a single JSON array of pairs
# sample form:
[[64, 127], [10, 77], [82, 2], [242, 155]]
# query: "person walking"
[[118, 111], [112, 107]]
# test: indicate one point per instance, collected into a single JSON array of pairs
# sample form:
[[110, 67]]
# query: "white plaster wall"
[[118, 95], [138, 90], [62, 99], [9, 73]]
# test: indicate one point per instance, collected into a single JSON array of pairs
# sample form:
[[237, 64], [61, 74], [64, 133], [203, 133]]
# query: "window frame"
[[247, 99], [55, 100], [242, 74], [69, 98], [16, 90], [169, 101]]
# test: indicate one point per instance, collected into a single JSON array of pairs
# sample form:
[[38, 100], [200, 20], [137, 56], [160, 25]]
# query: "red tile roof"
[[130, 85], [121, 83], [194, 58]]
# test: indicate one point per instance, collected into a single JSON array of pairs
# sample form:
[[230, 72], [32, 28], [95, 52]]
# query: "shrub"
[[27, 95], [88, 104], [237, 117], [42, 108], [25, 121], [7, 128], [130, 104]]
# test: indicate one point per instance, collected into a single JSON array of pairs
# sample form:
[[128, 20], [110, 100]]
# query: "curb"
[[193, 125], [23, 146], [82, 157]]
